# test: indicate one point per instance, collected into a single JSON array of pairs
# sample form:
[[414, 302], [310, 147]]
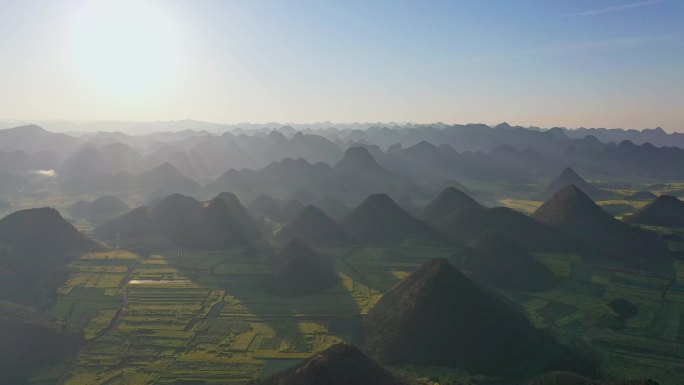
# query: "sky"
[[571, 63]]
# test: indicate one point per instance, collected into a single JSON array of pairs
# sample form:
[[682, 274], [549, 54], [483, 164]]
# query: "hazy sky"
[[610, 63]]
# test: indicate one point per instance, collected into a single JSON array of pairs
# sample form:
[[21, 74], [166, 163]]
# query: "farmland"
[[188, 316], [645, 345]]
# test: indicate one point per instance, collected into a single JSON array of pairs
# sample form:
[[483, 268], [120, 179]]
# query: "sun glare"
[[125, 48]]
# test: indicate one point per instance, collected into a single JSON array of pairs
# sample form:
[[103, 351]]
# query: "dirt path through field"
[[112, 325]]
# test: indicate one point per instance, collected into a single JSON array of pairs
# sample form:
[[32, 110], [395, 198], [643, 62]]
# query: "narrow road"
[[112, 325], [124, 300]]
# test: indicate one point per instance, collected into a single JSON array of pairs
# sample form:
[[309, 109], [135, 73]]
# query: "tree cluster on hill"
[[218, 224], [36, 245]]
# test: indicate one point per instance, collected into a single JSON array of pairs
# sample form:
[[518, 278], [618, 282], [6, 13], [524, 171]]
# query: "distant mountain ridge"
[[164, 177], [656, 136], [342, 163]]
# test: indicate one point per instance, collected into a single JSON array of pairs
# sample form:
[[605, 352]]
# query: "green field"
[[205, 317], [649, 344]]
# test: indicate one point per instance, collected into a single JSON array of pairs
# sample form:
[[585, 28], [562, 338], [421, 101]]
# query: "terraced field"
[[207, 317], [649, 343], [198, 317]]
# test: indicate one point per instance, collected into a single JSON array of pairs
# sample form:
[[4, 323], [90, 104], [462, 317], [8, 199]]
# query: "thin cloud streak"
[[617, 8], [614, 44], [567, 48]]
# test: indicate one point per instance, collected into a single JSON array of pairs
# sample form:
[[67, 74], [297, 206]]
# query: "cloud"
[[617, 8], [533, 53]]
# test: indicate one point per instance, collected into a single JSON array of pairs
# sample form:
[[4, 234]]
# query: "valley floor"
[[184, 316]]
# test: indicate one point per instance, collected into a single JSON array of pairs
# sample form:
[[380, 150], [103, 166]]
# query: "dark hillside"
[[574, 212], [314, 226], [338, 365], [30, 340], [570, 177], [438, 317], [470, 222], [665, 211], [300, 270], [379, 221], [506, 264], [449, 201], [36, 246]]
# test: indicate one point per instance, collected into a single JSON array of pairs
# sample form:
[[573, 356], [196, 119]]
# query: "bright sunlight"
[[125, 49]]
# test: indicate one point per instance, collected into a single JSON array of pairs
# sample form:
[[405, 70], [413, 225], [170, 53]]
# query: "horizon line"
[[27, 122]]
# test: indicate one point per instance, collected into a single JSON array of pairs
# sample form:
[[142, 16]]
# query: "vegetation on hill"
[[570, 177], [222, 222], [30, 340], [164, 177], [642, 196], [36, 246], [340, 364], [175, 215], [100, 210], [449, 202], [437, 316], [665, 211], [359, 160], [265, 207], [503, 263], [334, 207], [300, 270], [134, 224], [379, 221], [242, 217], [314, 226], [219, 226], [471, 222], [574, 212]]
